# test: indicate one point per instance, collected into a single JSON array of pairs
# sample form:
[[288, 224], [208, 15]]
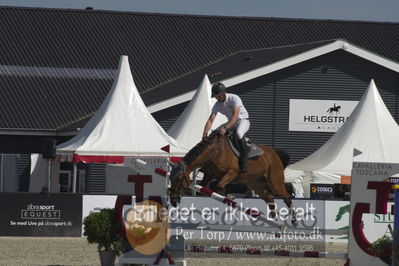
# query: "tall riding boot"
[[243, 155]]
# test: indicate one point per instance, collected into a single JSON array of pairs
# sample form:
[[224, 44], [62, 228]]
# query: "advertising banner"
[[27, 214], [321, 191], [120, 179], [369, 203], [319, 115]]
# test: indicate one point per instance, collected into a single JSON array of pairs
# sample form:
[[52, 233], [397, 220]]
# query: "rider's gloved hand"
[[222, 131]]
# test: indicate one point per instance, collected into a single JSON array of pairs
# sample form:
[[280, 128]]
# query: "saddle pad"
[[253, 152]]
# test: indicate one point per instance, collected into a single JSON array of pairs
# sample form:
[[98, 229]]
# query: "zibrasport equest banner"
[[27, 214]]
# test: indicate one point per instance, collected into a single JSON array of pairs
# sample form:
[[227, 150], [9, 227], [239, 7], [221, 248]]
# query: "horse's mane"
[[199, 148]]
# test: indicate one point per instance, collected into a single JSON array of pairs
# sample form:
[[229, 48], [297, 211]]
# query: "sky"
[[365, 10]]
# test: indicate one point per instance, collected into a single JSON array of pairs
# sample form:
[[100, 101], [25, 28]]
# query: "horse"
[[215, 157]]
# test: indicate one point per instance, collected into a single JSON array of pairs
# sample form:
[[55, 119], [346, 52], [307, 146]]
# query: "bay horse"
[[215, 157]]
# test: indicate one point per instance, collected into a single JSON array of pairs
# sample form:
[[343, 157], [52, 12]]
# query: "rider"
[[232, 107]]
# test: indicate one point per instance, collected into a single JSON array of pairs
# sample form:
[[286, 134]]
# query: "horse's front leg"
[[227, 178], [205, 180]]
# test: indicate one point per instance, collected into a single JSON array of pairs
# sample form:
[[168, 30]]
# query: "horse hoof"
[[273, 215], [231, 196], [215, 188], [283, 227], [295, 223]]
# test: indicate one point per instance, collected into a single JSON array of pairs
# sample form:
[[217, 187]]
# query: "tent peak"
[[370, 129], [122, 126]]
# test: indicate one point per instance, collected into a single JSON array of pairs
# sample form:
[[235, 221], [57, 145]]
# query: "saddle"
[[252, 148]]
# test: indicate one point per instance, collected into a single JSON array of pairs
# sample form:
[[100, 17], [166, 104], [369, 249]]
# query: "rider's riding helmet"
[[218, 88]]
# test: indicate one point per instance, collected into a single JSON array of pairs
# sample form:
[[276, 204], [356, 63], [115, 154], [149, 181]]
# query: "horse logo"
[[335, 109]]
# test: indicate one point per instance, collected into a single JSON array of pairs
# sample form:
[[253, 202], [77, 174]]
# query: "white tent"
[[38, 172], [370, 129], [122, 126], [188, 128]]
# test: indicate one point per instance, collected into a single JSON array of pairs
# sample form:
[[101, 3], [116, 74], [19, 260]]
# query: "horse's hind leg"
[[288, 202], [276, 179], [267, 196]]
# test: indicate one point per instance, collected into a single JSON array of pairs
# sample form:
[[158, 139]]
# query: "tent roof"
[[188, 128], [121, 127], [370, 128]]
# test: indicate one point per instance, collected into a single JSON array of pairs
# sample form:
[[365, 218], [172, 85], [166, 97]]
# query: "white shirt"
[[226, 107]]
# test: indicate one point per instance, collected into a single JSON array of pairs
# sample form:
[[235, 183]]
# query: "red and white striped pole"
[[205, 191], [229, 202]]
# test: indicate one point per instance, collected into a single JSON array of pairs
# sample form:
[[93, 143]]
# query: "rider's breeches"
[[240, 127]]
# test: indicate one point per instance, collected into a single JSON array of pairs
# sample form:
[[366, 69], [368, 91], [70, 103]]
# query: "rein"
[[182, 164], [219, 146], [182, 167]]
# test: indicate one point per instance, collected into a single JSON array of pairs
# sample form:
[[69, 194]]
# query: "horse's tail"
[[284, 156]]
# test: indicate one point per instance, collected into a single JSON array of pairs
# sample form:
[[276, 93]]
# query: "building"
[[57, 65]]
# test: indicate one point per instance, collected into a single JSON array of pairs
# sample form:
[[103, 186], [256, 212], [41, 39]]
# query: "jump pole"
[[205, 191]]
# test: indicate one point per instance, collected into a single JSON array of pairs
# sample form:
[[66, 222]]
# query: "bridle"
[[173, 192], [182, 167]]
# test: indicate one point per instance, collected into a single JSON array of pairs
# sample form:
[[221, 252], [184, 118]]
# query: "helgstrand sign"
[[319, 115]]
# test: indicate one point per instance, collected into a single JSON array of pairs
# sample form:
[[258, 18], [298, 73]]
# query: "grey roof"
[[230, 66], [36, 103], [56, 65]]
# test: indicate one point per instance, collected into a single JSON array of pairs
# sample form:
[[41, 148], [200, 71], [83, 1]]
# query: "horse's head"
[[198, 156], [179, 179]]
